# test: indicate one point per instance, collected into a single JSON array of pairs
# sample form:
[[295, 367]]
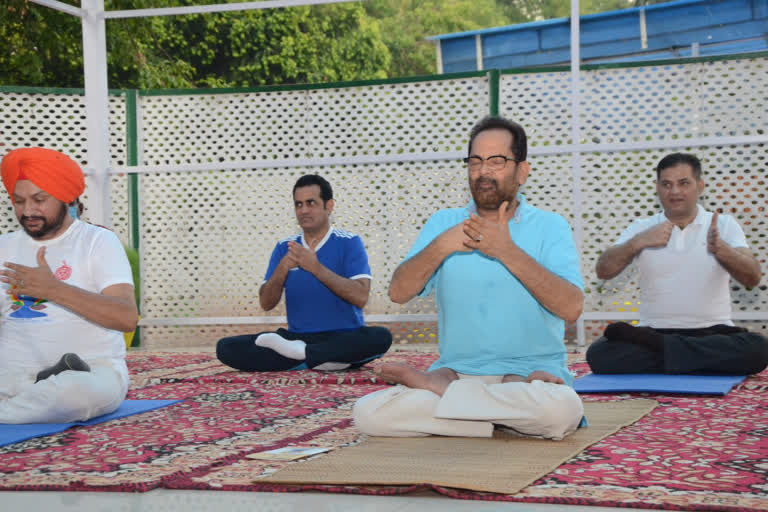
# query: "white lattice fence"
[[57, 121], [207, 235], [216, 173], [656, 105]]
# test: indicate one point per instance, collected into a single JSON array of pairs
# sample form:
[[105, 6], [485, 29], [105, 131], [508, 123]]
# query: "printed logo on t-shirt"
[[24, 306], [64, 272]]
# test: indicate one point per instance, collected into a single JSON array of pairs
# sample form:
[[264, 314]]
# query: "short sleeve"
[[108, 262], [560, 255], [730, 231], [634, 228], [277, 255], [356, 260]]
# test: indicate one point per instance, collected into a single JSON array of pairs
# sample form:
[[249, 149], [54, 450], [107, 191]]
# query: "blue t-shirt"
[[488, 322], [309, 304]]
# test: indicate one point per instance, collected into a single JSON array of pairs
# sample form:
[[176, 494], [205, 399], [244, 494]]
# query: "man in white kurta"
[[68, 294]]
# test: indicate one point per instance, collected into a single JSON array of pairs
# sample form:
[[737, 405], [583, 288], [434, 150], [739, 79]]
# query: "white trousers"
[[470, 407], [63, 398]]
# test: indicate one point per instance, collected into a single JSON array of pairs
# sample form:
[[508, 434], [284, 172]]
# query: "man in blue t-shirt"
[[325, 274], [505, 276]]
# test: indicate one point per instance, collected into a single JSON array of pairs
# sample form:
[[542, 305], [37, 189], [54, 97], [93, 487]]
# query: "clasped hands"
[[488, 235], [32, 281], [300, 256]]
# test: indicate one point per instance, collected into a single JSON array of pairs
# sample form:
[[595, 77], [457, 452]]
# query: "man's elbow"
[[128, 323], [397, 296], [266, 305], [361, 301], [603, 271], [753, 280], [574, 309]]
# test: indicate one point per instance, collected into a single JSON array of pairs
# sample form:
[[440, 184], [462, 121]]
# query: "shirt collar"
[[522, 207], [699, 220], [321, 242], [700, 214]]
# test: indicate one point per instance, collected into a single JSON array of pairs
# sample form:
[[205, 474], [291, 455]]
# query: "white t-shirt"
[[682, 285], [35, 334]]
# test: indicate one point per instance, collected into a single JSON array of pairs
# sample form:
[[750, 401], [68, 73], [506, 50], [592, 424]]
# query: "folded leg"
[[400, 411], [66, 397], [287, 350], [535, 408]]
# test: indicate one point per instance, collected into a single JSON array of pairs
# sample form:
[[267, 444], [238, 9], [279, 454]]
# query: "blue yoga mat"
[[658, 383], [10, 434]]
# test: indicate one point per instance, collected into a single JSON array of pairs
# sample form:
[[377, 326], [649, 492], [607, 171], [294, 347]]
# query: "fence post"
[[494, 77], [132, 151]]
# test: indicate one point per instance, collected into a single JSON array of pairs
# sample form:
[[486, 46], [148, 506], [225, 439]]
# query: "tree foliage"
[[245, 48], [406, 23], [323, 43]]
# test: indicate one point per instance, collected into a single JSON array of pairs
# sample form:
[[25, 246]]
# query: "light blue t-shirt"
[[310, 305], [489, 323]]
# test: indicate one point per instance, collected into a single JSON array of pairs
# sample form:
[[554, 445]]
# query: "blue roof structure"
[[685, 28]]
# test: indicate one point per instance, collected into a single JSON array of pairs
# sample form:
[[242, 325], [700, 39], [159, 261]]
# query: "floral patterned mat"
[[691, 453]]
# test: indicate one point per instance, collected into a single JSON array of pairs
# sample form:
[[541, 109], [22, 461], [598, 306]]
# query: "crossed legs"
[[444, 402]]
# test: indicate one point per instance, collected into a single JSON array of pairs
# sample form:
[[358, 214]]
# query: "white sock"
[[332, 367], [293, 349]]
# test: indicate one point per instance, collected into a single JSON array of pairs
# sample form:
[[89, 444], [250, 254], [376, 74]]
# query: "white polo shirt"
[[682, 285]]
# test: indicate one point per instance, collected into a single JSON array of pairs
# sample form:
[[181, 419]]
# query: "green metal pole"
[[494, 77], [132, 150]]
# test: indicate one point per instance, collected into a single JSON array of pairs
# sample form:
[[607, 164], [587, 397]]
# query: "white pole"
[[479, 52], [202, 9], [97, 111], [60, 6], [439, 53], [575, 140]]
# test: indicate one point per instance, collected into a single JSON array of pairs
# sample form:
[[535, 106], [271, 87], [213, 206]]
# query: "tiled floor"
[[222, 501]]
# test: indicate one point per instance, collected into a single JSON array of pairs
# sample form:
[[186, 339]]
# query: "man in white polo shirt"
[[686, 257]]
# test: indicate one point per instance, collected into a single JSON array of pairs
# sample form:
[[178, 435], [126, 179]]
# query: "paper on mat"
[[288, 453]]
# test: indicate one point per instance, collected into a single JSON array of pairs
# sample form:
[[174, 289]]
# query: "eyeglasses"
[[493, 162]]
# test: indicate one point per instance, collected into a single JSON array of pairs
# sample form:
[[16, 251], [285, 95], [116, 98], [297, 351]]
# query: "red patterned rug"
[[691, 453]]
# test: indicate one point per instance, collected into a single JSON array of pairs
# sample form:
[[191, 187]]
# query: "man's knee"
[[758, 355], [561, 415], [392, 411], [231, 350], [381, 338], [598, 356], [365, 412]]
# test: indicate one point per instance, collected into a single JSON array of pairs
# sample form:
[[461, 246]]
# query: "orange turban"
[[53, 172]]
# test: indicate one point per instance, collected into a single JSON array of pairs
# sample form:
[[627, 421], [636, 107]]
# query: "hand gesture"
[[32, 281], [714, 242], [489, 236], [304, 258], [657, 236], [454, 239]]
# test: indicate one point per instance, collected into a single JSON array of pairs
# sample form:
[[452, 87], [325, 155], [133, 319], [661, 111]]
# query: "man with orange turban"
[[68, 294]]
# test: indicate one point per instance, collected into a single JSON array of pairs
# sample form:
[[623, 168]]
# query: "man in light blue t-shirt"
[[325, 274], [506, 276]]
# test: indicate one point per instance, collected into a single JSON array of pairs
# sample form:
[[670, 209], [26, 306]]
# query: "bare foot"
[[436, 381], [512, 378], [544, 376]]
